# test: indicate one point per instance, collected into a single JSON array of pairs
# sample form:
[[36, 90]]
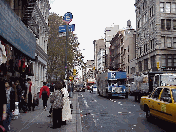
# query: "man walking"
[[45, 92]]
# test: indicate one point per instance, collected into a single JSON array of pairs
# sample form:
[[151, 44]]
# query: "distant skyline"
[[93, 16]]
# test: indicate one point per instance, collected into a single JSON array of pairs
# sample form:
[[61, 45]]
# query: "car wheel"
[[148, 114]]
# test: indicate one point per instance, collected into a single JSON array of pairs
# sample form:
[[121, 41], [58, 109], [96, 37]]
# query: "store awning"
[[15, 32]]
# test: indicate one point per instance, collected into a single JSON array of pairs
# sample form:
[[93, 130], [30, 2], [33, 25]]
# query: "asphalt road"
[[99, 114]]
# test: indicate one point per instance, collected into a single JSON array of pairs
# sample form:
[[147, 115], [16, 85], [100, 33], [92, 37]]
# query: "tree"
[[56, 49]]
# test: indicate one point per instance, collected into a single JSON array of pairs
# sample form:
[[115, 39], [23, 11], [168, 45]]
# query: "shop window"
[[161, 6], [163, 24], [168, 7], [173, 8], [174, 24], [162, 41], [168, 24]]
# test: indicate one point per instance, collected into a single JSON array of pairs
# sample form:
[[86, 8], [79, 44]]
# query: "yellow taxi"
[[160, 103]]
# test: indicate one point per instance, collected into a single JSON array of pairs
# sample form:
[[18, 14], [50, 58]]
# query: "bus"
[[112, 83]]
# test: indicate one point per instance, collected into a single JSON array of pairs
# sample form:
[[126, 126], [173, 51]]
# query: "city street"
[[116, 115]]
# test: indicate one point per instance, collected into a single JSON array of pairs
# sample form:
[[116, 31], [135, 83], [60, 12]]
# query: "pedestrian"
[[3, 105], [57, 104], [45, 92], [66, 111], [30, 96], [10, 95], [51, 92], [19, 91]]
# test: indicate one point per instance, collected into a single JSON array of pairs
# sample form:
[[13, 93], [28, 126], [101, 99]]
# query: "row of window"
[[167, 7], [169, 42], [146, 47], [168, 24], [168, 60]]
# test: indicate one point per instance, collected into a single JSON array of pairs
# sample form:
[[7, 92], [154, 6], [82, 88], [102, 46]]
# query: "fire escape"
[[30, 20]]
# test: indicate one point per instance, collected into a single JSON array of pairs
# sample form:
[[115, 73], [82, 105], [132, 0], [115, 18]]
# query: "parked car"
[[160, 103]]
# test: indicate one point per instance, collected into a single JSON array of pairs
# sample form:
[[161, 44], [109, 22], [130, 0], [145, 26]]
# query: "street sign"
[[63, 28], [68, 17]]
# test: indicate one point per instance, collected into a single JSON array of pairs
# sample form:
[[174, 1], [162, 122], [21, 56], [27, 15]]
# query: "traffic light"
[[158, 64], [74, 71]]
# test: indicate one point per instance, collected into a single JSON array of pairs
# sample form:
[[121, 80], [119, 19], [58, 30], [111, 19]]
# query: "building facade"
[[40, 15], [98, 44], [101, 60], [33, 16], [155, 34], [110, 32]]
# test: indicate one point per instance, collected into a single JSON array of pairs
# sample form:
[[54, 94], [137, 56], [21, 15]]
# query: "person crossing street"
[[45, 93]]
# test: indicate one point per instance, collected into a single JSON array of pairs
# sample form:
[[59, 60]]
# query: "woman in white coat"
[[66, 111]]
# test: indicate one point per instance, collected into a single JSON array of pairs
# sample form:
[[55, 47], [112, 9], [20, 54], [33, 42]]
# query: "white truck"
[[144, 84]]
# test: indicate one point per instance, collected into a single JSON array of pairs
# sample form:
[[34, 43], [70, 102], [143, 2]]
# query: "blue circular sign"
[[68, 17]]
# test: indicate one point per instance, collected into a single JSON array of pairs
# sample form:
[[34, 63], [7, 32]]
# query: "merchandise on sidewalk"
[[15, 113]]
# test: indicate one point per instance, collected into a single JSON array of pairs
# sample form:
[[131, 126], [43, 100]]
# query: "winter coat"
[[66, 111], [56, 99], [44, 88], [12, 99]]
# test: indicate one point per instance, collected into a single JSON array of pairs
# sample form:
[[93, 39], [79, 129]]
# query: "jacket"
[[66, 111], [44, 88], [12, 99], [56, 99]]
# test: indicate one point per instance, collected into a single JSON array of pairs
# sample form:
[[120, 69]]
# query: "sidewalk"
[[35, 121]]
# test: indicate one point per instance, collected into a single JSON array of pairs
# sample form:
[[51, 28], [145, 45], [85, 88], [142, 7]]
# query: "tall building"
[[123, 51], [155, 34], [110, 32], [130, 51], [98, 44], [40, 16], [101, 60]]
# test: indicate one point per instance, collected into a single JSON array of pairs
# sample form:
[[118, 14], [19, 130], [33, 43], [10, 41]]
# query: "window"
[[168, 7], [152, 44], [140, 66], [156, 93], [152, 61], [162, 7], [146, 64], [174, 24], [165, 94], [168, 24], [128, 69], [174, 60], [128, 58], [163, 24], [168, 42], [162, 41], [174, 42], [169, 59], [163, 60], [173, 8]]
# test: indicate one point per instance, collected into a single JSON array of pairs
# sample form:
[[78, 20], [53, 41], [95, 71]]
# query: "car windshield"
[[174, 94]]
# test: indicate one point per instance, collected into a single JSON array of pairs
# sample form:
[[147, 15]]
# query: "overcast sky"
[[91, 17]]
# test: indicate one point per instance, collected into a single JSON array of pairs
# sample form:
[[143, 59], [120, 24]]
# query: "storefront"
[[17, 46]]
